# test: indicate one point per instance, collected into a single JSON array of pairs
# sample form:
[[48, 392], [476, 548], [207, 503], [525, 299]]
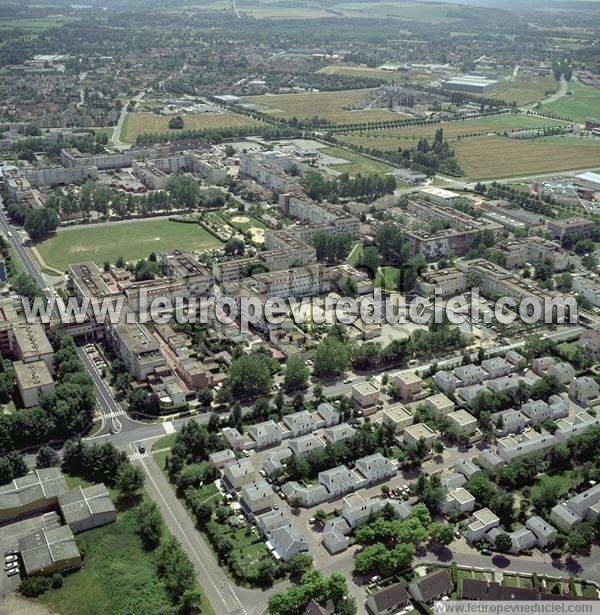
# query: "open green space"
[[118, 575], [325, 105], [408, 136], [131, 240], [353, 70], [34, 25], [582, 102], [526, 89], [387, 278], [356, 164], [489, 157], [355, 254], [137, 124], [419, 11]]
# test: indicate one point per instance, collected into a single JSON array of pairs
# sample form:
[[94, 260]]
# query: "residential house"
[[397, 416], [432, 586], [440, 405], [338, 481], [305, 445], [585, 391], [238, 473], [408, 384], [489, 460], [338, 433], [458, 499], [234, 438], [445, 381], [497, 367], [467, 468], [509, 422], [563, 372], [265, 434], [388, 600], [462, 422], [541, 365], [366, 394], [575, 426], [414, 433], [480, 524], [299, 423], [375, 468], [218, 459], [470, 375], [530, 441], [544, 532], [309, 496]]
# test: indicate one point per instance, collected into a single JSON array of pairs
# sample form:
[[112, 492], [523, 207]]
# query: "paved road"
[[225, 597], [116, 135]]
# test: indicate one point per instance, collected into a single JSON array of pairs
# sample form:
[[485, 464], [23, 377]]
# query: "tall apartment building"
[[185, 266]]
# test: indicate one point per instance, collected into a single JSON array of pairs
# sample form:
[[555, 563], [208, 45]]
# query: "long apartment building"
[[536, 249], [319, 216], [57, 175], [458, 238], [269, 169], [74, 158]]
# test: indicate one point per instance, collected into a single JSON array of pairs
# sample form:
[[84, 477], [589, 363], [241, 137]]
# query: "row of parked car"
[[11, 563]]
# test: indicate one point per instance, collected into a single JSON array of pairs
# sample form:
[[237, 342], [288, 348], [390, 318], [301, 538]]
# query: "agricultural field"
[[131, 240], [431, 13], [407, 136], [526, 89], [490, 157], [582, 103], [357, 164], [136, 124], [327, 105]]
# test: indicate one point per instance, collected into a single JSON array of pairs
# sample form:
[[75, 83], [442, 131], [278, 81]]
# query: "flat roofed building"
[[366, 394], [480, 524], [397, 416], [31, 345], [414, 433], [49, 551], [570, 227], [35, 492], [33, 380], [185, 266], [409, 385], [462, 422], [218, 459], [440, 404], [458, 499], [87, 508]]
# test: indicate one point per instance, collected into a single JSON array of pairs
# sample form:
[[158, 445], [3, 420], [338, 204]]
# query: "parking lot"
[[9, 538]]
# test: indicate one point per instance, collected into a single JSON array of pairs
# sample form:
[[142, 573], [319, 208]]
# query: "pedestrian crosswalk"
[[137, 455], [169, 427], [113, 414]]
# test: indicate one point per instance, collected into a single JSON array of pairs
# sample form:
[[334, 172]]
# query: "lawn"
[[354, 255], [408, 136], [326, 105], [136, 124], [132, 240], [387, 278], [489, 157], [526, 89], [118, 575], [357, 164], [419, 11], [34, 25], [583, 103]]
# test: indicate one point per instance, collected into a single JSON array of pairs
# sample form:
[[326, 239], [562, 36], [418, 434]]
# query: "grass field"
[[407, 136], [387, 278], [327, 105], [34, 25], [355, 254], [132, 240], [356, 163], [431, 13], [489, 157], [118, 576], [583, 103], [349, 70], [526, 89], [136, 124]]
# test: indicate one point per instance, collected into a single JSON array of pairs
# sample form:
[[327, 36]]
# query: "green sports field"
[[131, 240]]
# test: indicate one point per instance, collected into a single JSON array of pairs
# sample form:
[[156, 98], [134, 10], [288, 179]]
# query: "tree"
[[205, 396], [47, 457], [320, 515], [442, 533], [39, 223], [234, 247], [149, 523], [296, 503], [331, 358], [34, 586], [576, 543], [130, 479], [249, 376], [296, 373], [503, 543], [184, 191], [299, 564], [191, 602], [176, 123]]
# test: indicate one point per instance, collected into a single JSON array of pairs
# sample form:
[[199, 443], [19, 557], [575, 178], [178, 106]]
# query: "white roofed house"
[[409, 385], [585, 505], [506, 383], [541, 365], [440, 404], [530, 441], [509, 421], [522, 539], [238, 473], [265, 434], [545, 533], [257, 496], [304, 445], [299, 423], [462, 422], [537, 411], [453, 481], [309, 496], [366, 394], [497, 367], [283, 538], [515, 358], [397, 416], [467, 395], [413, 434], [338, 433], [470, 375], [326, 415], [563, 372], [584, 390], [338, 481], [234, 438], [375, 468], [489, 460], [575, 426], [467, 468], [446, 381], [220, 458]]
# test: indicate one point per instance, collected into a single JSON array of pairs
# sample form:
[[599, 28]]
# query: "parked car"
[[11, 565], [10, 552], [485, 552], [375, 578], [10, 558], [281, 495], [141, 449], [12, 572]]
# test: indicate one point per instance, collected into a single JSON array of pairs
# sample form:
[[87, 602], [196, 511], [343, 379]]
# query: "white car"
[[375, 579], [11, 565], [10, 558], [12, 572]]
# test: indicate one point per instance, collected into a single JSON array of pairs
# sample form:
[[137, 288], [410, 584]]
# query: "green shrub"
[[34, 586]]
